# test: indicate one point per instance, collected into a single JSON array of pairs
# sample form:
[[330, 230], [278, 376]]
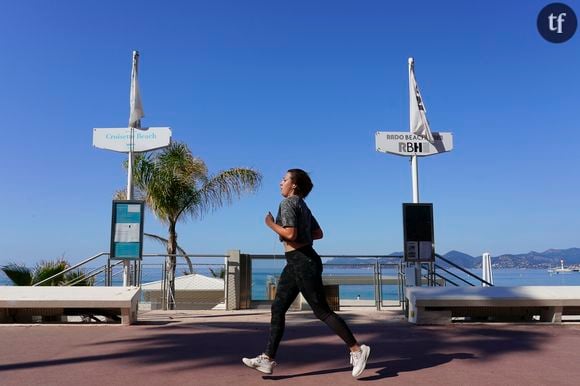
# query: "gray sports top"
[[293, 212]]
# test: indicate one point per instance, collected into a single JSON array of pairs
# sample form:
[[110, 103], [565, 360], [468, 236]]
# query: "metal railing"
[[173, 298], [385, 274], [110, 272], [104, 270], [71, 269], [189, 291], [374, 265], [441, 272]]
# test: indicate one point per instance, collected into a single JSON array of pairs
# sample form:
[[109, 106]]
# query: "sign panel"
[[408, 144], [418, 232], [119, 139], [127, 230]]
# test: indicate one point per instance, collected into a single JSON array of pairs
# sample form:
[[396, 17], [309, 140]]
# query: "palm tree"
[[165, 243], [21, 275], [176, 185], [218, 274]]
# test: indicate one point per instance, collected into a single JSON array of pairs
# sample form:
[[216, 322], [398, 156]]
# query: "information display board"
[[127, 230], [418, 232]]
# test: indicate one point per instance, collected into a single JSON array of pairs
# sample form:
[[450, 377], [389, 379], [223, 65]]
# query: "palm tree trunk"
[[177, 248], [170, 267]]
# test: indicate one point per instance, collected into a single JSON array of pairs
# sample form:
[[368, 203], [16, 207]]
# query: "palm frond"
[[120, 195], [78, 278], [176, 163], [223, 187], [218, 274], [167, 180], [46, 269], [20, 275]]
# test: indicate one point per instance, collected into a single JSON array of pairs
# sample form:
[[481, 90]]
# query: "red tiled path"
[[205, 347]]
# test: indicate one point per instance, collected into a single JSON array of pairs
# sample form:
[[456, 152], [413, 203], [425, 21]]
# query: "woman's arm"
[[316, 233], [287, 234]]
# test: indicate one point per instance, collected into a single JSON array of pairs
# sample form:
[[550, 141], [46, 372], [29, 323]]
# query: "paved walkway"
[[204, 348]]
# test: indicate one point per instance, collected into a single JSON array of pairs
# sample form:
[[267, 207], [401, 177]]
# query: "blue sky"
[[279, 84]]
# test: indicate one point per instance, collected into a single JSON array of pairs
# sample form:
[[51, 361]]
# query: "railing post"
[[245, 281], [402, 286], [108, 273], [432, 275], [164, 287], [232, 276], [378, 285], [138, 273]]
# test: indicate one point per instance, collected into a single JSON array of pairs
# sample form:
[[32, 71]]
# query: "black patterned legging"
[[303, 273]]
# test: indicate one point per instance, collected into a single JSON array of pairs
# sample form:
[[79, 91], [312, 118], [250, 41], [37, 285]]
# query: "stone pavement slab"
[[205, 348]]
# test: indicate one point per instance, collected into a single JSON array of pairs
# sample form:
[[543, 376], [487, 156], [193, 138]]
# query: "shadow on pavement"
[[211, 342], [387, 369]]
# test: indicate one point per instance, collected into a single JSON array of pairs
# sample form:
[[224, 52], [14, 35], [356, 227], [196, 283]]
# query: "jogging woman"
[[297, 229]]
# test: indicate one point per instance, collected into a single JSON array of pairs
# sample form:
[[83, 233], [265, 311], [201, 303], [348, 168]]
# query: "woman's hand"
[[269, 220]]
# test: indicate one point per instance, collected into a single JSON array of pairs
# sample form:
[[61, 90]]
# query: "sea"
[[263, 276], [502, 277]]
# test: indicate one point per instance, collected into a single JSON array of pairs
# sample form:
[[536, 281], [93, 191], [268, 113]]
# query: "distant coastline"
[[530, 260], [536, 260]]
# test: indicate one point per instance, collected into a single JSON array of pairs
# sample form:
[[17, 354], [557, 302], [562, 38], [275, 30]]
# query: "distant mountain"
[[570, 255], [532, 259], [461, 259]]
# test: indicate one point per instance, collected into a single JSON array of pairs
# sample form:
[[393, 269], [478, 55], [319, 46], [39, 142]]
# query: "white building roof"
[[193, 282]]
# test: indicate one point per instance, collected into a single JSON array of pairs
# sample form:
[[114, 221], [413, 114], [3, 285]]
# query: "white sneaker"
[[261, 363], [358, 360]]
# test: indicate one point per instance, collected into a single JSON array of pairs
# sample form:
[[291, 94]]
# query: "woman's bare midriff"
[[290, 246]]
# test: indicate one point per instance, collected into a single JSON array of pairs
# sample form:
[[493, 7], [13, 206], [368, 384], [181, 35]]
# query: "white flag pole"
[[127, 263], [130, 167], [136, 113], [415, 178], [414, 160]]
